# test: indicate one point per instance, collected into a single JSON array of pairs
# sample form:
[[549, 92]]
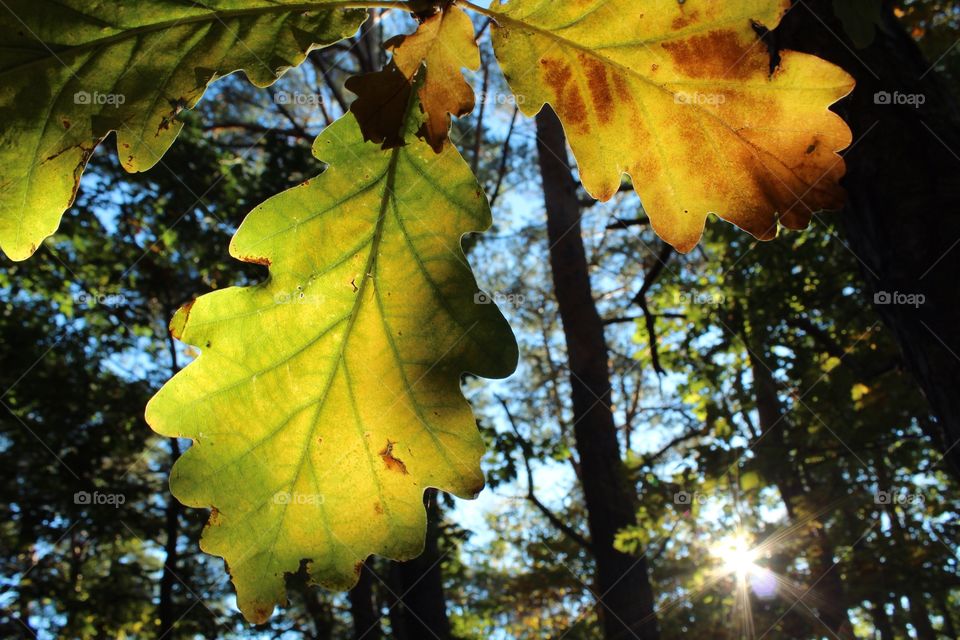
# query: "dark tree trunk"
[[622, 586], [920, 616], [902, 219], [949, 628], [773, 452], [363, 607], [423, 605], [166, 610], [319, 611], [881, 622]]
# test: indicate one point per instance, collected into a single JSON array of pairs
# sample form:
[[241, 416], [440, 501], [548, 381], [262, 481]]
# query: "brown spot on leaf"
[[378, 508], [623, 89], [569, 103], [600, 92], [214, 520], [358, 567], [392, 462], [264, 262], [66, 124], [685, 19], [717, 54]]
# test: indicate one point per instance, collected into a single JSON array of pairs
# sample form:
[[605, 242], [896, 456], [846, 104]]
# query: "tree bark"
[[423, 605], [902, 219], [881, 622], [166, 611], [622, 586], [363, 609], [773, 451]]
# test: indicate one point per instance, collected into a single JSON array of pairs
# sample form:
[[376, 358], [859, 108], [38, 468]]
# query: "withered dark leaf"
[[381, 105], [444, 44]]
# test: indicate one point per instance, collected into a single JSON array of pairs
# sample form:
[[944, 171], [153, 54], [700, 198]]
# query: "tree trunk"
[[166, 611], [902, 219], [363, 609], [422, 601], [773, 453], [881, 622], [622, 586], [949, 628]]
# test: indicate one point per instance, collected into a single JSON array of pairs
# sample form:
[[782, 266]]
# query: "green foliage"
[[75, 71]]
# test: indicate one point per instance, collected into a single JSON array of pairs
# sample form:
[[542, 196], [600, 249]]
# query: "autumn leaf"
[[327, 398], [446, 44], [128, 67], [381, 104], [680, 97]]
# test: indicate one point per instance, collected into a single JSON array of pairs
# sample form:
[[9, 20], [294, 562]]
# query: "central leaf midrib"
[[367, 276]]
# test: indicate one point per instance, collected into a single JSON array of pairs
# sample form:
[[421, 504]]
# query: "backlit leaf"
[[128, 67], [327, 398], [679, 96], [446, 44]]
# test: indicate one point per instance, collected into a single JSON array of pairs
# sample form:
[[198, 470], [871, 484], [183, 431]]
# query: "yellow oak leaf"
[[681, 97]]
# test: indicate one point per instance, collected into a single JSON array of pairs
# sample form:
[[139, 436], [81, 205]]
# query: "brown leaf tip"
[[263, 262]]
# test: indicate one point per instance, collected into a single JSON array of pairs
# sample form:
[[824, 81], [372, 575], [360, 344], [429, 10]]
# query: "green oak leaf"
[[327, 398], [129, 67]]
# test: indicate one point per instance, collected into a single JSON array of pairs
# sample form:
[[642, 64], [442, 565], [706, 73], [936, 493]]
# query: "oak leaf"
[[327, 398], [445, 44], [680, 96], [128, 67]]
